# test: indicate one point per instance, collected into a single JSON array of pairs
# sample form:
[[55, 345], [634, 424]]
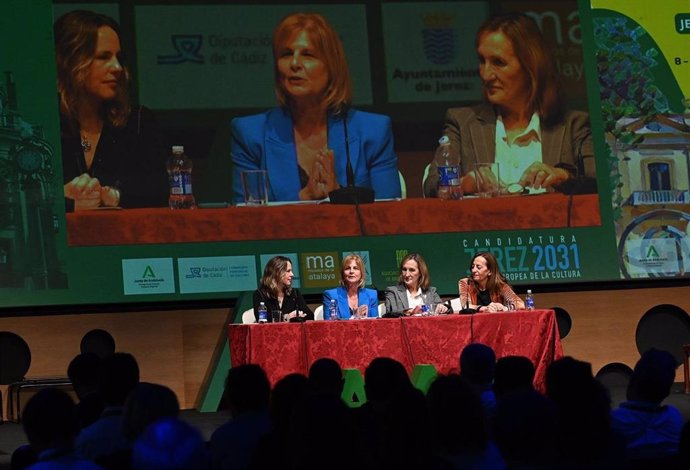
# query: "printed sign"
[[217, 274], [148, 276]]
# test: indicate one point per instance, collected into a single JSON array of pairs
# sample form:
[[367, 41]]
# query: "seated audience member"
[[458, 424], [477, 366], [651, 430], [112, 155], [414, 289], [353, 300], [274, 446], [525, 429], [170, 444], [50, 426], [119, 376], [276, 292], [83, 372], [513, 374], [486, 290], [585, 438], [145, 404], [523, 125], [247, 391], [326, 376], [303, 144]]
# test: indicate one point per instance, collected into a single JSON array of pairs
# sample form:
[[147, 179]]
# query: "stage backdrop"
[[199, 64]]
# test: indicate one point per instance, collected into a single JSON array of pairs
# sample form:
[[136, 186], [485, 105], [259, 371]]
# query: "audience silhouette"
[[303, 424]]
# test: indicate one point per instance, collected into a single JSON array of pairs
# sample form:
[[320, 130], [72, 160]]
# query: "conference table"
[[284, 348], [295, 221]]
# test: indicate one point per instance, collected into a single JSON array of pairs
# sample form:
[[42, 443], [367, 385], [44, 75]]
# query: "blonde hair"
[[338, 93], [76, 38], [360, 264]]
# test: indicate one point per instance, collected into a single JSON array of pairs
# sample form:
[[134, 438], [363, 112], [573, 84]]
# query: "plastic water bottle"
[[448, 171], [333, 310], [263, 313], [529, 300], [180, 180]]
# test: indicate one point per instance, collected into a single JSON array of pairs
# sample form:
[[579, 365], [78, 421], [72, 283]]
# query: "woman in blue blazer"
[[352, 298], [303, 144]]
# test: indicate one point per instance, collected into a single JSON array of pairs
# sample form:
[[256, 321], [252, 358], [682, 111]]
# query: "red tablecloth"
[[285, 348], [141, 226]]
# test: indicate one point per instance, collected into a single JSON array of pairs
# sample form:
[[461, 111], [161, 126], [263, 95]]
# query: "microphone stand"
[[350, 194]]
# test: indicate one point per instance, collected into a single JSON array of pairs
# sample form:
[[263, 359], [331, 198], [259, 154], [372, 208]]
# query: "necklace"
[[85, 144]]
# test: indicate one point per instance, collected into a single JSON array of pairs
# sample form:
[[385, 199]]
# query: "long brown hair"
[[496, 281], [273, 272], [338, 93], [76, 37], [536, 59], [424, 277]]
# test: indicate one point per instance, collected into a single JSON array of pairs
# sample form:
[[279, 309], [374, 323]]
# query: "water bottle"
[[448, 166], [529, 300], [180, 179], [333, 310], [263, 313]]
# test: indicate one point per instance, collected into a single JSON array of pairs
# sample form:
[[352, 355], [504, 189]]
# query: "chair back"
[[248, 317], [318, 313]]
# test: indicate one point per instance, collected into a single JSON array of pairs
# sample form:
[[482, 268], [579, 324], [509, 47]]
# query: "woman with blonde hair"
[[304, 143], [414, 292], [112, 155], [353, 300], [277, 293]]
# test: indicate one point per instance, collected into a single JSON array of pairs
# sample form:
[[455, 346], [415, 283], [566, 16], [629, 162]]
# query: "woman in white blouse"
[[413, 290]]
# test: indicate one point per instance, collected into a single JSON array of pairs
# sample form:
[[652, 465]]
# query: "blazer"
[[472, 132], [266, 142], [365, 296], [396, 298], [469, 294]]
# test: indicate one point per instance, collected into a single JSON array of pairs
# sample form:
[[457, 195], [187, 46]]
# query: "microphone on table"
[[350, 194], [467, 310], [580, 184], [297, 318]]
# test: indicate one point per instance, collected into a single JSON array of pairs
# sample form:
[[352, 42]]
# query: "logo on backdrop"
[[320, 269], [438, 38], [188, 48]]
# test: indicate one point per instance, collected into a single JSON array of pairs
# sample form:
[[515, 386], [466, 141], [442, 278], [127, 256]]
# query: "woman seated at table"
[[523, 125], [413, 290], [352, 299], [111, 155], [486, 290], [276, 292], [303, 143]]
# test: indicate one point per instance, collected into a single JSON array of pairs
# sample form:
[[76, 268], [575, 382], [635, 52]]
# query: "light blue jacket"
[[366, 297], [266, 142]]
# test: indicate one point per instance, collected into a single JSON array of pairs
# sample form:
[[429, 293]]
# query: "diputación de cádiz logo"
[[188, 48], [438, 37]]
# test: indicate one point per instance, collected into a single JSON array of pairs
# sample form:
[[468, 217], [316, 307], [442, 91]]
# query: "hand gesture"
[[321, 177], [85, 191], [540, 175]]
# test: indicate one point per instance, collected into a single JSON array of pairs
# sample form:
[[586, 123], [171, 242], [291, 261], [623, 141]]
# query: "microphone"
[[350, 194], [580, 184], [297, 318], [466, 310]]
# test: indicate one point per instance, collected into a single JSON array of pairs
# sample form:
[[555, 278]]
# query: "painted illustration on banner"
[[644, 75]]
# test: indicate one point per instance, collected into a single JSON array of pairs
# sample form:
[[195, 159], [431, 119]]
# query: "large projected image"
[[569, 189]]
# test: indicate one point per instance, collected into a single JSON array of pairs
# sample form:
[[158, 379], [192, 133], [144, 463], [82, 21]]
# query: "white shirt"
[[515, 155], [414, 299]]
